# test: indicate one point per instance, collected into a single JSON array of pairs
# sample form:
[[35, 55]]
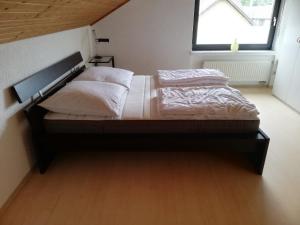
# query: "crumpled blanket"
[[209, 102]]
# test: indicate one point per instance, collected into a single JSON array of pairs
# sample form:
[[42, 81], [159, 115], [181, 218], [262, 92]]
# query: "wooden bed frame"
[[46, 144]]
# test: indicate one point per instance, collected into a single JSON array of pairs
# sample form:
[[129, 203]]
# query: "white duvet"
[[210, 102], [191, 77]]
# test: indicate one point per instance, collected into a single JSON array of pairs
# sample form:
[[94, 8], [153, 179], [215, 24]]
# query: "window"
[[218, 23]]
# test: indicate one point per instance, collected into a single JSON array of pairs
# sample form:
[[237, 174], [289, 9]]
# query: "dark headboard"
[[30, 86]]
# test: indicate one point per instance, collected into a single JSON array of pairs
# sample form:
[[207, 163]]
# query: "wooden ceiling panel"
[[20, 19]]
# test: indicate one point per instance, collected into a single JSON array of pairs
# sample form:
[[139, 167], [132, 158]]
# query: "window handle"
[[274, 21], [298, 40]]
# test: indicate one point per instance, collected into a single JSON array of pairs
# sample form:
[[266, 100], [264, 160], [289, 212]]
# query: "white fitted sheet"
[[141, 104]]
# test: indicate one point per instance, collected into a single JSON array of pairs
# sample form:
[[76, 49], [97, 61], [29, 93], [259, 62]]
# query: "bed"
[[139, 128]]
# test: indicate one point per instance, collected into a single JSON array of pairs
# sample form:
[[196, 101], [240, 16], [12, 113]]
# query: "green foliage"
[[256, 2]]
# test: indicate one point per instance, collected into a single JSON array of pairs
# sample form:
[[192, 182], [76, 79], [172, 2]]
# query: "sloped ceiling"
[[21, 19]]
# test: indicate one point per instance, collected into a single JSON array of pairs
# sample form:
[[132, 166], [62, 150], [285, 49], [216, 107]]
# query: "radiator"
[[243, 72]]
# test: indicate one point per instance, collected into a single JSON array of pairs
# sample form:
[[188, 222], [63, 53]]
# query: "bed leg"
[[43, 166], [44, 157], [262, 148], [44, 162]]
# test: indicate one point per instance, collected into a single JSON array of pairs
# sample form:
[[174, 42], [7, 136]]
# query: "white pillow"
[[88, 98], [107, 74]]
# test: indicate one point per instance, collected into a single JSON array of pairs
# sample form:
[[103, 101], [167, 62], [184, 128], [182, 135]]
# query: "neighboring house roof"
[[240, 10], [249, 13], [206, 5], [254, 12], [222, 23]]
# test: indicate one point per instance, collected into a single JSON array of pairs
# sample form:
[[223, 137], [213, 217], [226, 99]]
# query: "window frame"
[[224, 47]]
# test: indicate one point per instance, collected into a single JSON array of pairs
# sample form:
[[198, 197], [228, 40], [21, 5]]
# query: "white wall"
[[149, 35], [17, 61]]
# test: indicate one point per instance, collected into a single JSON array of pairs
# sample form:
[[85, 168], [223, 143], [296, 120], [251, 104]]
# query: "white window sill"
[[239, 53]]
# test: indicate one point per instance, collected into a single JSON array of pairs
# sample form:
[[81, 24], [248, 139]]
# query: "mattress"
[[140, 115]]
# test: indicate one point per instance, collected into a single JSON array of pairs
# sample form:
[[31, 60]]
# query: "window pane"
[[222, 21]]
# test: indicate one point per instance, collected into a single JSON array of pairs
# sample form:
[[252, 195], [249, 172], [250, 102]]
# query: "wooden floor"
[[171, 188]]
